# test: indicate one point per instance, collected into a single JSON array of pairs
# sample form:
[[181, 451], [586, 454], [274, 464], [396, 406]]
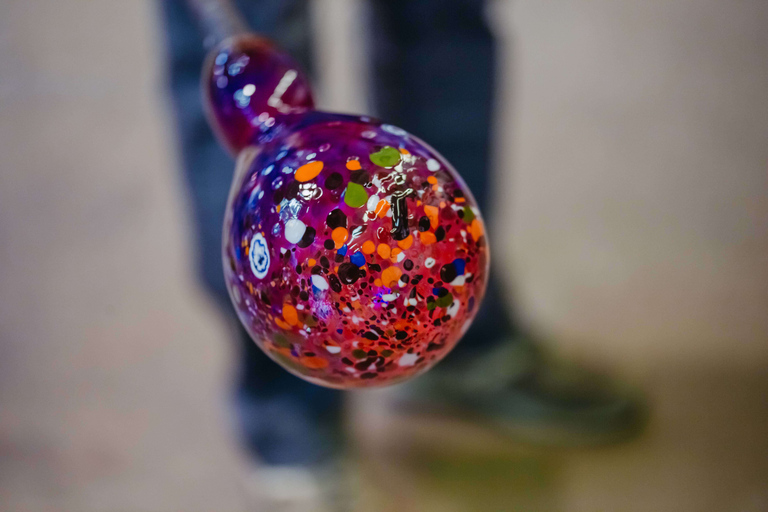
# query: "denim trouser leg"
[[433, 74], [433, 69], [282, 419]]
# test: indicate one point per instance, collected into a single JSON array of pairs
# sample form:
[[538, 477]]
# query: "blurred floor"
[[642, 242], [706, 449]]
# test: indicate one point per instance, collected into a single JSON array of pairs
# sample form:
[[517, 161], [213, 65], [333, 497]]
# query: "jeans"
[[432, 65]]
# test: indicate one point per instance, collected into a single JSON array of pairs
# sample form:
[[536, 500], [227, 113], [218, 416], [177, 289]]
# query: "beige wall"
[[635, 154]]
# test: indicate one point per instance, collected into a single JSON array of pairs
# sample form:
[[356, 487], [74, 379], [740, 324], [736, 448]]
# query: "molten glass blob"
[[354, 254]]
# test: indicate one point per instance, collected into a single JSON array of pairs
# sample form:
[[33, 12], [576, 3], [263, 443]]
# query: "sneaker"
[[299, 489], [515, 389]]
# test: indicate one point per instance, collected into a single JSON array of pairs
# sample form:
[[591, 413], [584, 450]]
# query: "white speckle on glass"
[[394, 130], [294, 230], [319, 282], [453, 309]]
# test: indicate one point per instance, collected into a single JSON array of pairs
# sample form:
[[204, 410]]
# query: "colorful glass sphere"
[[354, 253]]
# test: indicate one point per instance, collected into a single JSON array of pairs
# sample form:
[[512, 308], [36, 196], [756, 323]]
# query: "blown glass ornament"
[[354, 254]]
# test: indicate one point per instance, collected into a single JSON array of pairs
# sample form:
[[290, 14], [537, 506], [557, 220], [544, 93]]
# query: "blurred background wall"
[[633, 173], [112, 364], [635, 140]]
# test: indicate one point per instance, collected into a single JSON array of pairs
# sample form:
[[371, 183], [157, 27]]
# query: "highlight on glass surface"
[[354, 254]]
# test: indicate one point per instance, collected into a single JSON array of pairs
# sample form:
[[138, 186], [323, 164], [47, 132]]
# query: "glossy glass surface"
[[354, 253], [248, 84]]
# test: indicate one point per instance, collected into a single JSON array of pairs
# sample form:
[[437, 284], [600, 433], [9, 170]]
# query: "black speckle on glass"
[[333, 181], [336, 219], [335, 283], [308, 238], [361, 177], [348, 273], [448, 272], [400, 215]]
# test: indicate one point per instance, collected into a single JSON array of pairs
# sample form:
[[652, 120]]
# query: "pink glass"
[[354, 253]]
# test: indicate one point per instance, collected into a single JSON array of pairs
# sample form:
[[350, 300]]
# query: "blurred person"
[[433, 67]]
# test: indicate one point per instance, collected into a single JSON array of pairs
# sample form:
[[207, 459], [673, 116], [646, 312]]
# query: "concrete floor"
[[640, 245]]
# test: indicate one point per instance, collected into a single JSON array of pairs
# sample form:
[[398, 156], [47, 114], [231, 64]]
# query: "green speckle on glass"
[[290, 363], [386, 157], [431, 305], [281, 341], [445, 300], [469, 215], [386, 353], [359, 354], [355, 195]]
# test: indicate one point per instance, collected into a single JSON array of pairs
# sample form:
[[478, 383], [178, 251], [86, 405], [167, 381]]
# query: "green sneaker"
[[516, 390]]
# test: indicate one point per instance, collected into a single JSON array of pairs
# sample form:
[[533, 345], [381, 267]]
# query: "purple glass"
[[353, 252]]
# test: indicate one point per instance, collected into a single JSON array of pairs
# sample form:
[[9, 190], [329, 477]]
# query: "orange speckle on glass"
[[390, 274], [432, 212], [406, 242], [277, 209], [442, 204], [393, 256], [282, 324], [290, 314], [311, 262], [384, 251], [427, 238], [309, 171], [377, 282], [459, 200], [432, 180], [314, 362], [401, 325], [369, 247], [404, 151], [353, 165], [339, 236], [476, 229], [382, 208]]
